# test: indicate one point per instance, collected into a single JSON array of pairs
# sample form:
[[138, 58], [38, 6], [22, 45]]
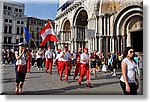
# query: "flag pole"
[[54, 32], [34, 42]]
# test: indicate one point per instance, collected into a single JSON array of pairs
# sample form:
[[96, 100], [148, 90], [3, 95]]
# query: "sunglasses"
[[131, 51]]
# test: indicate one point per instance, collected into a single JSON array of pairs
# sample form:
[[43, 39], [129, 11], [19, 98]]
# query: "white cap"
[[20, 44]]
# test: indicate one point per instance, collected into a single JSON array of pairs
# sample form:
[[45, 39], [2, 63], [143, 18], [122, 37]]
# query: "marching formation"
[[80, 63]]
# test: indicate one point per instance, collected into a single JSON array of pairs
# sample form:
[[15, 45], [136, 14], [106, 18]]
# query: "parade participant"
[[114, 63], [57, 61], [128, 81], [21, 61], [64, 57], [28, 60], [39, 56], [85, 70], [77, 70], [49, 59], [33, 56]]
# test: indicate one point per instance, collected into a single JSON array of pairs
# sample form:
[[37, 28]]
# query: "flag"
[[47, 34], [26, 34]]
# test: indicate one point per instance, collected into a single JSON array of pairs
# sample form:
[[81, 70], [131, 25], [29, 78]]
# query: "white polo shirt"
[[48, 54], [66, 57], [83, 56]]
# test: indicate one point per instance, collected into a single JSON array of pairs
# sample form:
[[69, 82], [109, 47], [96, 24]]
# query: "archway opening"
[[81, 25], [137, 40]]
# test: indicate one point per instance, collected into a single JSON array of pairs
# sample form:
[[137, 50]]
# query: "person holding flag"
[[49, 59]]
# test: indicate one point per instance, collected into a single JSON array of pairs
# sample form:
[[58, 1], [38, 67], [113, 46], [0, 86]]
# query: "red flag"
[[47, 34]]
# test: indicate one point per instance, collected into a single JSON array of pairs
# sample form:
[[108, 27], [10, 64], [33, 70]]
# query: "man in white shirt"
[[57, 61], [85, 70], [49, 59], [65, 57]]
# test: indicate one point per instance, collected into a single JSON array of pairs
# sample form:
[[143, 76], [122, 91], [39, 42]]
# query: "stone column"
[[107, 38], [105, 24], [96, 32], [113, 43], [119, 43], [108, 25], [101, 24], [129, 39], [124, 37], [101, 44], [75, 32]]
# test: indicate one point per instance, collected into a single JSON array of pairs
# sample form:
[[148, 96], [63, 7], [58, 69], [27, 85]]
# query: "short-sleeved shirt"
[[83, 56], [22, 60], [66, 57], [130, 71], [48, 54]]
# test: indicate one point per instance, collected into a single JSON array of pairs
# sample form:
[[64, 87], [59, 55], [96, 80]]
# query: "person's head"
[[21, 46], [66, 48], [85, 50], [129, 52]]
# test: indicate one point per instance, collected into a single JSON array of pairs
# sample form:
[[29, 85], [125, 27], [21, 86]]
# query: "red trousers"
[[58, 66], [85, 70], [28, 66], [77, 70], [64, 68], [49, 64]]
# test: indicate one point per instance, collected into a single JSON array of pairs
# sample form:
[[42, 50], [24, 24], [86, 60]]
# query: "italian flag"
[[47, 34]]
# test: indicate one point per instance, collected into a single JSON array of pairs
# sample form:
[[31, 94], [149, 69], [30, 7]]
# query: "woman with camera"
[[20, 68]]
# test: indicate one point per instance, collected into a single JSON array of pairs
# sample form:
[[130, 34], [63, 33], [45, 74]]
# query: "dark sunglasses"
[[131, 51]]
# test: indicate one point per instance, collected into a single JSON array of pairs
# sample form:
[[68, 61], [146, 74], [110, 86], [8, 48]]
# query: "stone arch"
[[122, 23], [122, 15], [77, 13]]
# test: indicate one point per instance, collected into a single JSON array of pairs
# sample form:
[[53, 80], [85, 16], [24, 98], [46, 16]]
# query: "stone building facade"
[[13, 23], [103, 25]]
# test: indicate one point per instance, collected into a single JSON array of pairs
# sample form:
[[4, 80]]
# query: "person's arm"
[[85, 59], [124, 70]]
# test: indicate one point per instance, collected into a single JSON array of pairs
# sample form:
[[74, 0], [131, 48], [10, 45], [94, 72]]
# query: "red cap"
[[59, 50], [85, 48], [49, 47]]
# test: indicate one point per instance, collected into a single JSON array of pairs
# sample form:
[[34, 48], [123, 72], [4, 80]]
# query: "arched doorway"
[[80, 28], [128, 28], [66, 33]]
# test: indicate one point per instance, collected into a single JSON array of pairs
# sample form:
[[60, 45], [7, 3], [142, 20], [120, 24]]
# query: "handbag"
[[22, 69]]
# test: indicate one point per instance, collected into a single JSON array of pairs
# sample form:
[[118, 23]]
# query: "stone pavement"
[[40, 83]]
